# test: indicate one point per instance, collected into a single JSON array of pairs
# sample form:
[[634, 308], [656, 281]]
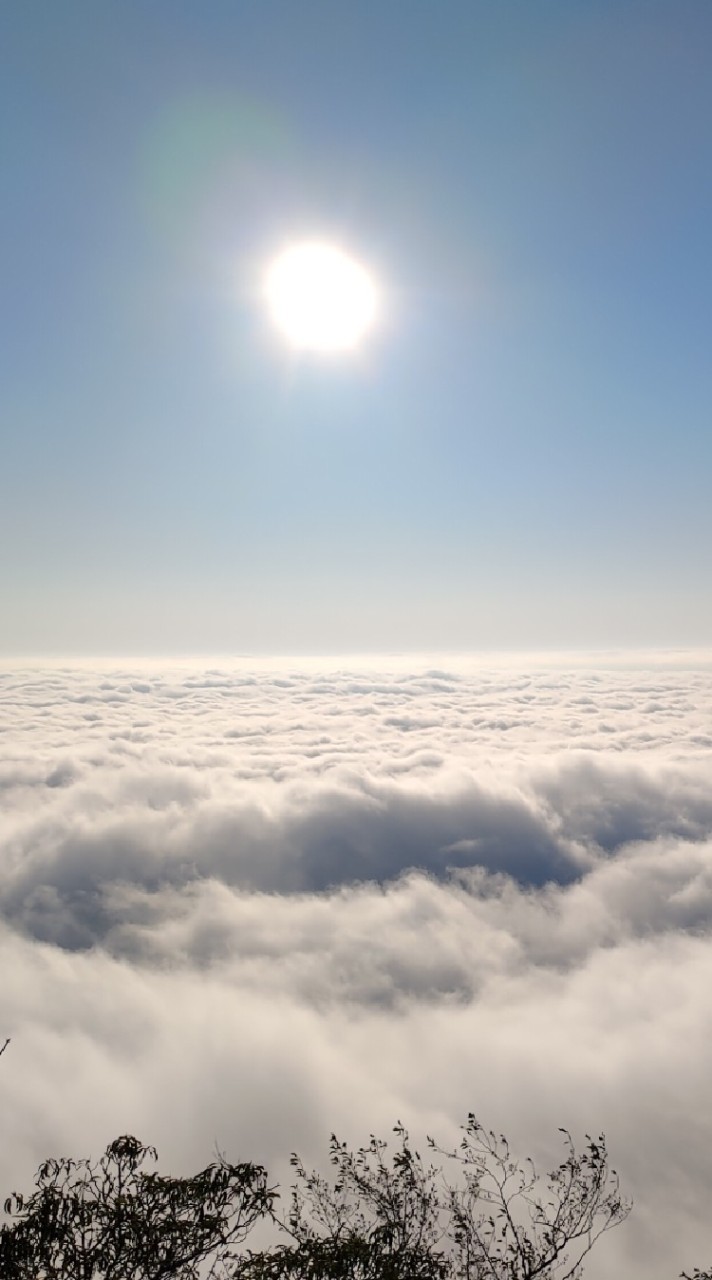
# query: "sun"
[[320, 298]]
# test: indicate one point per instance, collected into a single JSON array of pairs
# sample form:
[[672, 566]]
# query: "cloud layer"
[[258, 902]]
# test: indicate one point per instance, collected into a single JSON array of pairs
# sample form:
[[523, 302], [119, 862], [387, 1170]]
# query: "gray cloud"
[[253, 904]]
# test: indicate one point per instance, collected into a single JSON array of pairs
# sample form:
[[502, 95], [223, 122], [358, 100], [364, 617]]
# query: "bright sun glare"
[[320, 298]]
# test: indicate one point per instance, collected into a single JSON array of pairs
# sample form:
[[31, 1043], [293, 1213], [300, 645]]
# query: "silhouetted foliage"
[[511, 1222], [375, 1218], [381, 1215], [472, 1213], [115, 1220], [397, 1218]]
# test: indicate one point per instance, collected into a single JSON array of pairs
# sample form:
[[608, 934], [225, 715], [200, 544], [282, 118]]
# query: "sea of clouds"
[[252, 903]]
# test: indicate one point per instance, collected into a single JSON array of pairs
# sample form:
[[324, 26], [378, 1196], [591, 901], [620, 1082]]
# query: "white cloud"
[[255, 903]]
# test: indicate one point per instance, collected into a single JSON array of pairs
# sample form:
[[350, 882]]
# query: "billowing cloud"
[[259, 902]]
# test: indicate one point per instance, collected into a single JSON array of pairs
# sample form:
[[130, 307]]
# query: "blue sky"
[[520, 456]]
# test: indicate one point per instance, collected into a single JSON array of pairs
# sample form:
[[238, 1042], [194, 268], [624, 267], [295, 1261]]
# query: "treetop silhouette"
[[474, 1213]]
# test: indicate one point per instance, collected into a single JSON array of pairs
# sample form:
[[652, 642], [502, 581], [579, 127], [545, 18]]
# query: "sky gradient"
[[518, 457]]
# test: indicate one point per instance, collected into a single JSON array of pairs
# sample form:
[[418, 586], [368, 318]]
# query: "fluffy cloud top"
[[253, 904]]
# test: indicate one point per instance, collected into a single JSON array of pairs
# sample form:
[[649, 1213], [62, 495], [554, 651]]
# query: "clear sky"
[[519, 455]]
